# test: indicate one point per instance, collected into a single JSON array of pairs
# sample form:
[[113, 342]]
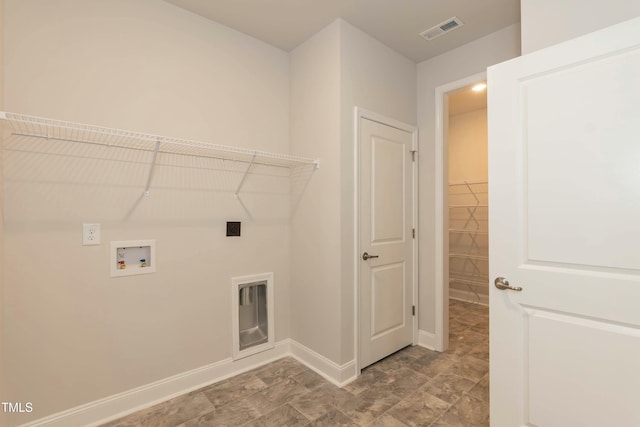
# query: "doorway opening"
[[467, 227], [462, 267]]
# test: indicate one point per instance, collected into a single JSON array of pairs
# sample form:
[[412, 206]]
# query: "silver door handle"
[[502, 284], [366, 256]]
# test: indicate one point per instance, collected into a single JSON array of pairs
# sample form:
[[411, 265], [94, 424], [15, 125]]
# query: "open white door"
[[386, 240], [564, 176]]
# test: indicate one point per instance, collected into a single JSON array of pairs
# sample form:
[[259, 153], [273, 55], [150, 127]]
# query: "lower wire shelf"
[[468, 255], [469, 281]]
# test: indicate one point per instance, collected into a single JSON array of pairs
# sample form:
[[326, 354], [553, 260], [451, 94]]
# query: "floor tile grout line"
[[447, 410]]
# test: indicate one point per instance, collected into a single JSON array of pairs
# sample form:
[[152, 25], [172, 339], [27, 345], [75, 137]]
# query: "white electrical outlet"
[[90, 234]]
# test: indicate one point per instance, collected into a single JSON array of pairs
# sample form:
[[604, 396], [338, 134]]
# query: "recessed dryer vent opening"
[[253, 329]]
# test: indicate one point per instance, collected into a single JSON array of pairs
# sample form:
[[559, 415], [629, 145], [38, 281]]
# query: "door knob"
[[366, 256], [502, 284]]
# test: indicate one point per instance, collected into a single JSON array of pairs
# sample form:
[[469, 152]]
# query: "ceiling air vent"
[[442, 28]]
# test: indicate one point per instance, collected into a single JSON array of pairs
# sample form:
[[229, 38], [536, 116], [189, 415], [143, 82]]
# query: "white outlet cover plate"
[[90, 234]]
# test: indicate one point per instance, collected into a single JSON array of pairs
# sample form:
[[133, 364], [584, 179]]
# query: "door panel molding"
[[381, 295], [562, 355]]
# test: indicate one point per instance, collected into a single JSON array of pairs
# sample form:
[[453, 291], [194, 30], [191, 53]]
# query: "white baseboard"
[[427, 339], [468, 296], [121, 404], [339, 375]]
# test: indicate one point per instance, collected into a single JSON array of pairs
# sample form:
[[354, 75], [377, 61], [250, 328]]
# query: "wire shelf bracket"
[[153, 165], [246, 172]]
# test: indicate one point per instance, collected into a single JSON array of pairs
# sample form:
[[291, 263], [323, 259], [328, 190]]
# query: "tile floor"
[[413, 387]]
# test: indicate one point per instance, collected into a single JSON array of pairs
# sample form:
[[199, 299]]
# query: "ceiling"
[[465, 100], [396, 23]]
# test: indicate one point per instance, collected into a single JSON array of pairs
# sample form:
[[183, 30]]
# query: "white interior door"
[[564, 176], [386, 222]]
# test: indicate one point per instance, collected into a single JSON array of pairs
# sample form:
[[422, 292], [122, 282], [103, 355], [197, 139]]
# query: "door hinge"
[[413, 232], [413, 155], [413, 310]]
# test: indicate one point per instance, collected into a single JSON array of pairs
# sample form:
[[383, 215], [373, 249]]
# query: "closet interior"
[[468, 208]]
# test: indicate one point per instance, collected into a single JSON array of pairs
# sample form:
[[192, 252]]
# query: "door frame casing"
[[361, 113], [441, 201]]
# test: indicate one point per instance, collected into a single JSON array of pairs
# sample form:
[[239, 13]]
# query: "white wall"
[[2, 343], [467, 142], [548, 22], [336, 70], [315, 222], [73, 334], [454, 65]]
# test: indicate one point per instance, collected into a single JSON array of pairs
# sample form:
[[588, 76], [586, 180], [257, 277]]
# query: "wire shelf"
[[52, 130], [20, 124], [469, 281], [468, 231], [468, 249], [468, 255], [466, 183]]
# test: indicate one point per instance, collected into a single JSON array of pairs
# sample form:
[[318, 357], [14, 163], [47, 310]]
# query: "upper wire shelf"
[[25, 125], [467, 206], [51, 129], [476, 182]]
